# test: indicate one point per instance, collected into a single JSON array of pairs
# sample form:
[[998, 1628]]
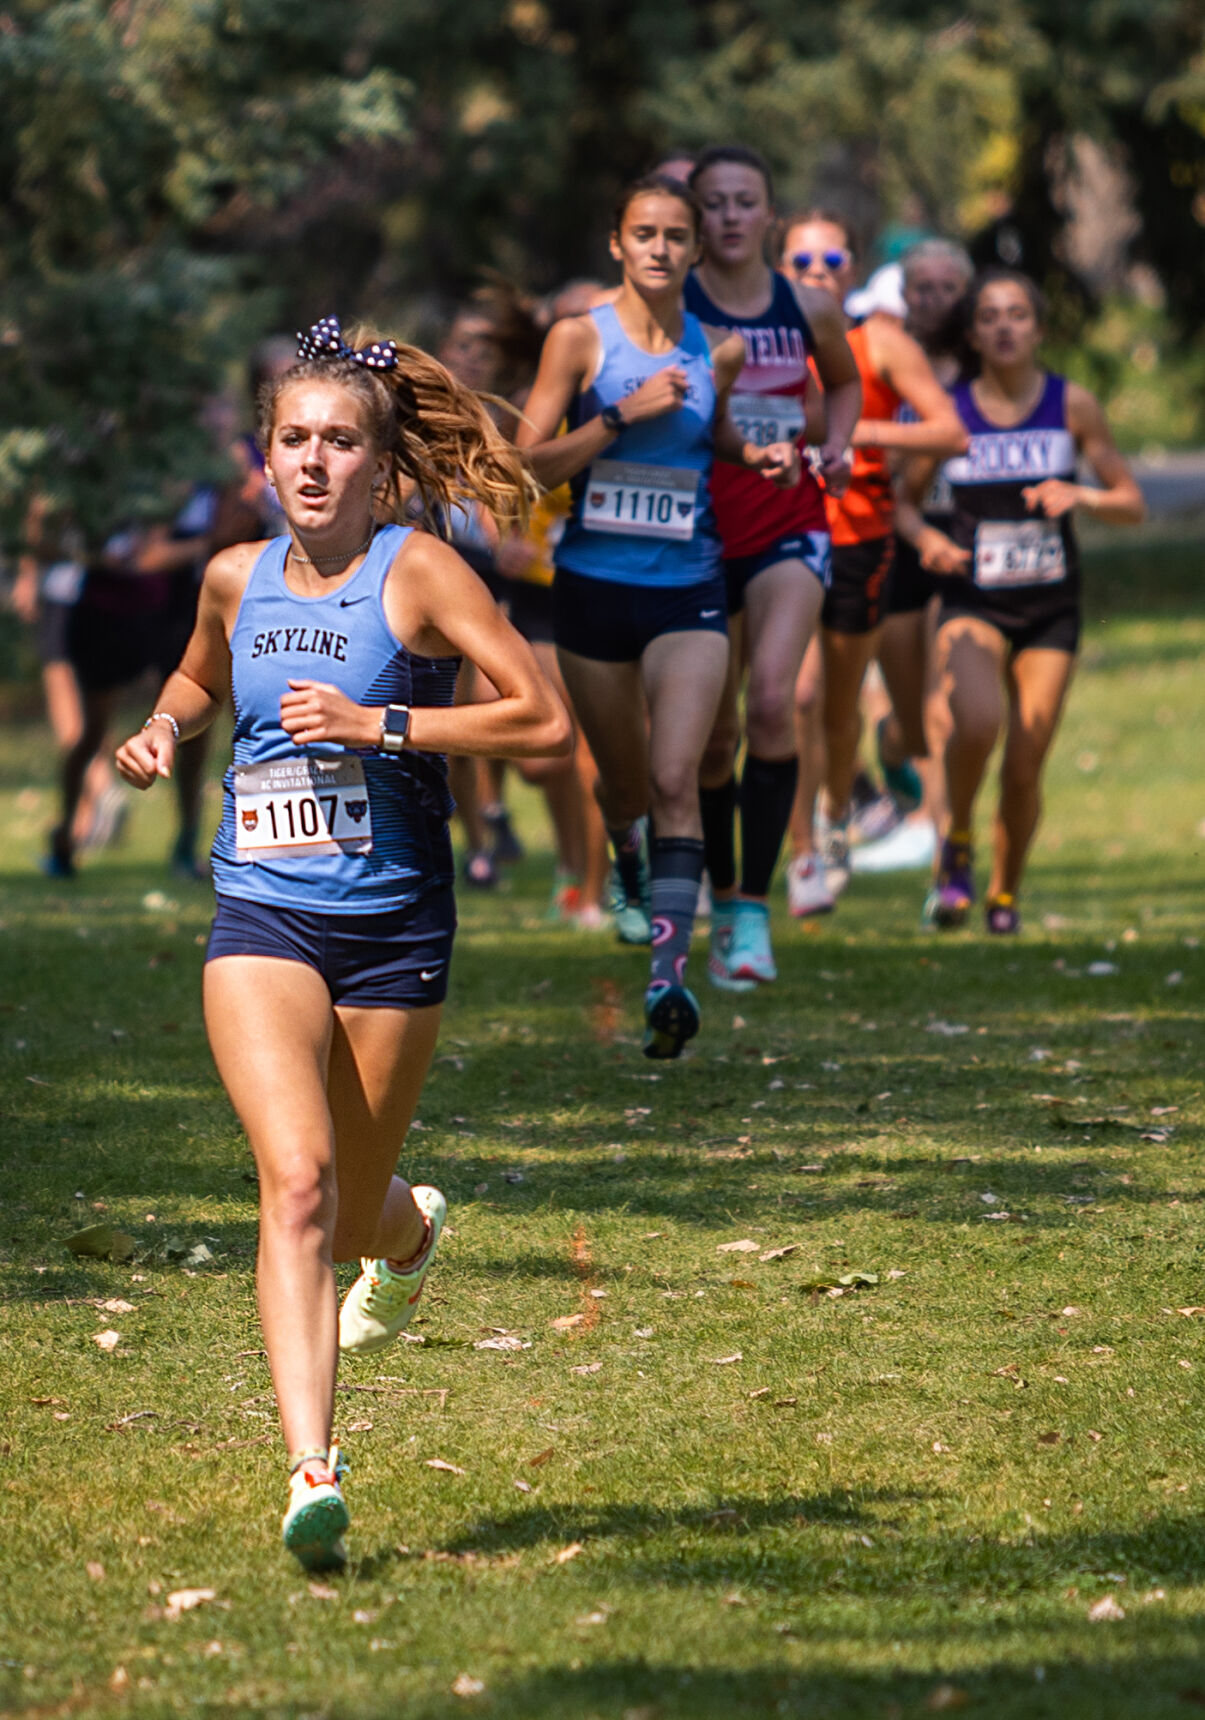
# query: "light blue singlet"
[[296, 820], [641, 511]]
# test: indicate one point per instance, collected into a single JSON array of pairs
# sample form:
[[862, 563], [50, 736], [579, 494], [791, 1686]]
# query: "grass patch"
[[900, 1500]]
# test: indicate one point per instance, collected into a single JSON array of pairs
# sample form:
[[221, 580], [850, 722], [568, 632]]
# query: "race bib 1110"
[[302, 806], [631, 500], [1019, 552]]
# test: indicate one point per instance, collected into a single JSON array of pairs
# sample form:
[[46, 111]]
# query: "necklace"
[[319, 560]]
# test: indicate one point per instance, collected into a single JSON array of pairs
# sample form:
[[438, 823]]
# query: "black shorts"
[[813, 549], [50, 631], [109, 651], [614, 623], [854, 600], [530, 609], [1049, 630], [398, 959], [909, 586]]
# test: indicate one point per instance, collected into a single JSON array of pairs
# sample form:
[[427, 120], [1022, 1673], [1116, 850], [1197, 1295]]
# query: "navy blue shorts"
[[393, 960], [813, 549], [612, 622]]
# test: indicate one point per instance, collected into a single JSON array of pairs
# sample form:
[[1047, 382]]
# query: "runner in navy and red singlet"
[[1009, 622], [776, 542]]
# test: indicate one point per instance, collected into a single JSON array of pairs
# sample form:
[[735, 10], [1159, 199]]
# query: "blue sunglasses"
[[832, 260]]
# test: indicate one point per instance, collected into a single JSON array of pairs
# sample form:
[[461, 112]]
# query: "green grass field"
[[721, 1491]]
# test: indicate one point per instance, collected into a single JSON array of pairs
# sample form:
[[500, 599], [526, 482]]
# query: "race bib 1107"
[[766, 418], [631, 500], [1019, 552], [302, 806]]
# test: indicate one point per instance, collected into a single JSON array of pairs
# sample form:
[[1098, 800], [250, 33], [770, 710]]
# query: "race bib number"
[[302, 806], [640, 501], [1019, 552], [766, 418]]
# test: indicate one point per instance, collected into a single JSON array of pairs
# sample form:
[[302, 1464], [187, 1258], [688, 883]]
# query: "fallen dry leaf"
[[745, 1246], [359, 1427], [95, 1570], [1105, 1608], [1049, 1438], [445, 1468], [723, 1361], [102, 1242], [945, 1698], [507, 1342], [566, 1322], [1189, 1312], [587, 1368], [523, 1486], [761, 1392], [115, 1305], [569, 1552], [184, 1600], [465, 1685], [106, 1340], [779, 1253], [323, 1592], [541, 1457]]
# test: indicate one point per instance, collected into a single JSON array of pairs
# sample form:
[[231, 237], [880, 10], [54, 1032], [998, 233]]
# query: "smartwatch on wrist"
[[614, 419], [395, 726]]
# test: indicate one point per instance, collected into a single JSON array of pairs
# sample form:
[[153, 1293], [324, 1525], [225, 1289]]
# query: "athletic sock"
[[625, 842], [767, 795], [718, 806], [676, 864]]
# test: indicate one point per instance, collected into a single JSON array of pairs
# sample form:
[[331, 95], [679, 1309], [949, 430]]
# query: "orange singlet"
[[867, 509]]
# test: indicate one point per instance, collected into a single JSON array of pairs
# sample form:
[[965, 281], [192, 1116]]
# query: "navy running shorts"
[[853, 602], [393, 960], [613, 622], [813, 549]]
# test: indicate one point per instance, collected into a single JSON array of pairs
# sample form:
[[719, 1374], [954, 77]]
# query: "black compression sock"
[[625, 842], [767, 795], [718, 806]]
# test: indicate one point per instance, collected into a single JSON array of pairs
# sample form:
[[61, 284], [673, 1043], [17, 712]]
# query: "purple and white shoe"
[[1003, 919], [948, 902]]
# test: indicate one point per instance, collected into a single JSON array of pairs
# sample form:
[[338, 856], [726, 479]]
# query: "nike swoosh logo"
[[346, 602], [708, 614], [428, 977]]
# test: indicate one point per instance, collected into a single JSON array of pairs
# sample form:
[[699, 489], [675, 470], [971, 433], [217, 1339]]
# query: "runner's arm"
[[838, 373], [1120, 501], [778, 461], [194, 692], [902, 363]]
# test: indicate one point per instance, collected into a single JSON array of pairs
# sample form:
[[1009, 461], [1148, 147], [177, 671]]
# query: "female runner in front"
[[639, 605], [1009, 622], [776, 546], [817, 252], [328, 960]]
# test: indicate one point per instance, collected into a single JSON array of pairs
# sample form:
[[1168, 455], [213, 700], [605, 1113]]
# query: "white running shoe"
[[750, 956], [834, 855], [381, 1302], [317, 1516], [719, 967], [910, 847], [807, 888]]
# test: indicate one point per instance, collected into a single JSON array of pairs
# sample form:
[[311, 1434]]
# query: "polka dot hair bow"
[[325, 340]]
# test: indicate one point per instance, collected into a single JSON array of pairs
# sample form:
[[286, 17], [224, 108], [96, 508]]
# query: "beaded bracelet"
[[164, 716]]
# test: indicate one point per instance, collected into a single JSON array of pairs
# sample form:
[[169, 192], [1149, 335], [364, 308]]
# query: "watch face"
[[396, 721]]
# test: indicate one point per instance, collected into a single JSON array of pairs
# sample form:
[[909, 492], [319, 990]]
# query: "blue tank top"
[[641, 512], [1015, 551], [295, 820]]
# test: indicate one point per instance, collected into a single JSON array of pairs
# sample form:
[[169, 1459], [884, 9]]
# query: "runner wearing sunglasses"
[[776, 543], [818, 253]]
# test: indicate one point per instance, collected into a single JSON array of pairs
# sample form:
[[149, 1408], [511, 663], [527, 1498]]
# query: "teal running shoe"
[[719, 965], [671, 1017], [750, 958]]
